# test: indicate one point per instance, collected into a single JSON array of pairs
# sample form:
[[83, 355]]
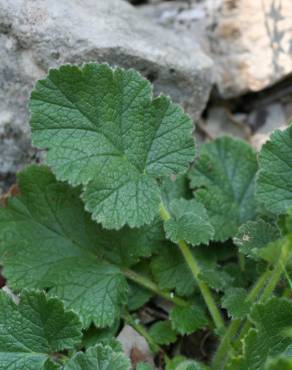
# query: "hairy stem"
[[271, 284], [261, 291], [225, 350], [195, 269], [150, 285]]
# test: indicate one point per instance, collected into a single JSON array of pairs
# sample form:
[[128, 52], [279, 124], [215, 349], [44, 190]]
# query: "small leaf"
[[216, 278], [100, 357], [223, 179], [188, 319], [189, 222], [138, 296], [33, 330], [253, 236], [175, 188], [103, 129], [50, 242], [162, 333], [126, 246], [236, 303], [274, 181], [171, 272]]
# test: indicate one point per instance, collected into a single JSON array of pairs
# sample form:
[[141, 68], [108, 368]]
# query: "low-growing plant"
[[128, 213]]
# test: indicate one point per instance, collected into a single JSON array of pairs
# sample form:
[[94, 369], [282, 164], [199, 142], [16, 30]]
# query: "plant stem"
[[241, 261], [225, 350], [142, 331], [261, 291], [195, 269], [150, 285], [274, 278]]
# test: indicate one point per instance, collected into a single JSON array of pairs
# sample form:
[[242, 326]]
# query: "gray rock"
[[36, 35], [250, 41]]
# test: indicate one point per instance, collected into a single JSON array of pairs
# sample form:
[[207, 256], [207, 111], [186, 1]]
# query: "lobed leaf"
[[274, 181], [31, 331], [187, 320], [253, 236], [163, 333], [236, 303], [189, 222], [100, 357], [103, 129], [50, 242], [268, 339]]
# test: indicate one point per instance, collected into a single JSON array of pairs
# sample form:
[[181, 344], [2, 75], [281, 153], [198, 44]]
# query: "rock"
[[250, 41], [38, 34], [274, 119], [135, 346], [220, 121]]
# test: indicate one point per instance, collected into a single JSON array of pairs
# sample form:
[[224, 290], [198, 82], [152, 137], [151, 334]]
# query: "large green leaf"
[[224, 179], [33, 330], [274, 184], [100, 357], [268, 339], [49, 241], [103, 129]]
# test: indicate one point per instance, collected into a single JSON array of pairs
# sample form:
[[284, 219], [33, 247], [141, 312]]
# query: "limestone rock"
[[250, 41], [38, 34]]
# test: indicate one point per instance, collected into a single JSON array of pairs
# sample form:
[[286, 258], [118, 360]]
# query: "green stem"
[[274, 278], [225, 350], [142, 331], [150, 285], [195, 269], [241, 260]]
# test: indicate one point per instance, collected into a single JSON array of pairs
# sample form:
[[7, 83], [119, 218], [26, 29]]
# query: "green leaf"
[[268, 339], [216, 278], [143, 366], [191, 365], [103, 129], [279, 363], [175, 188], [33, 330], [171, 272], [100, 357], [162, 333], [94, 335], [138, 296], [253, 236], [274, 183], [236, 303], [50, 242], [223, 179], [186, 320], [189, 222], [126, 246]]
